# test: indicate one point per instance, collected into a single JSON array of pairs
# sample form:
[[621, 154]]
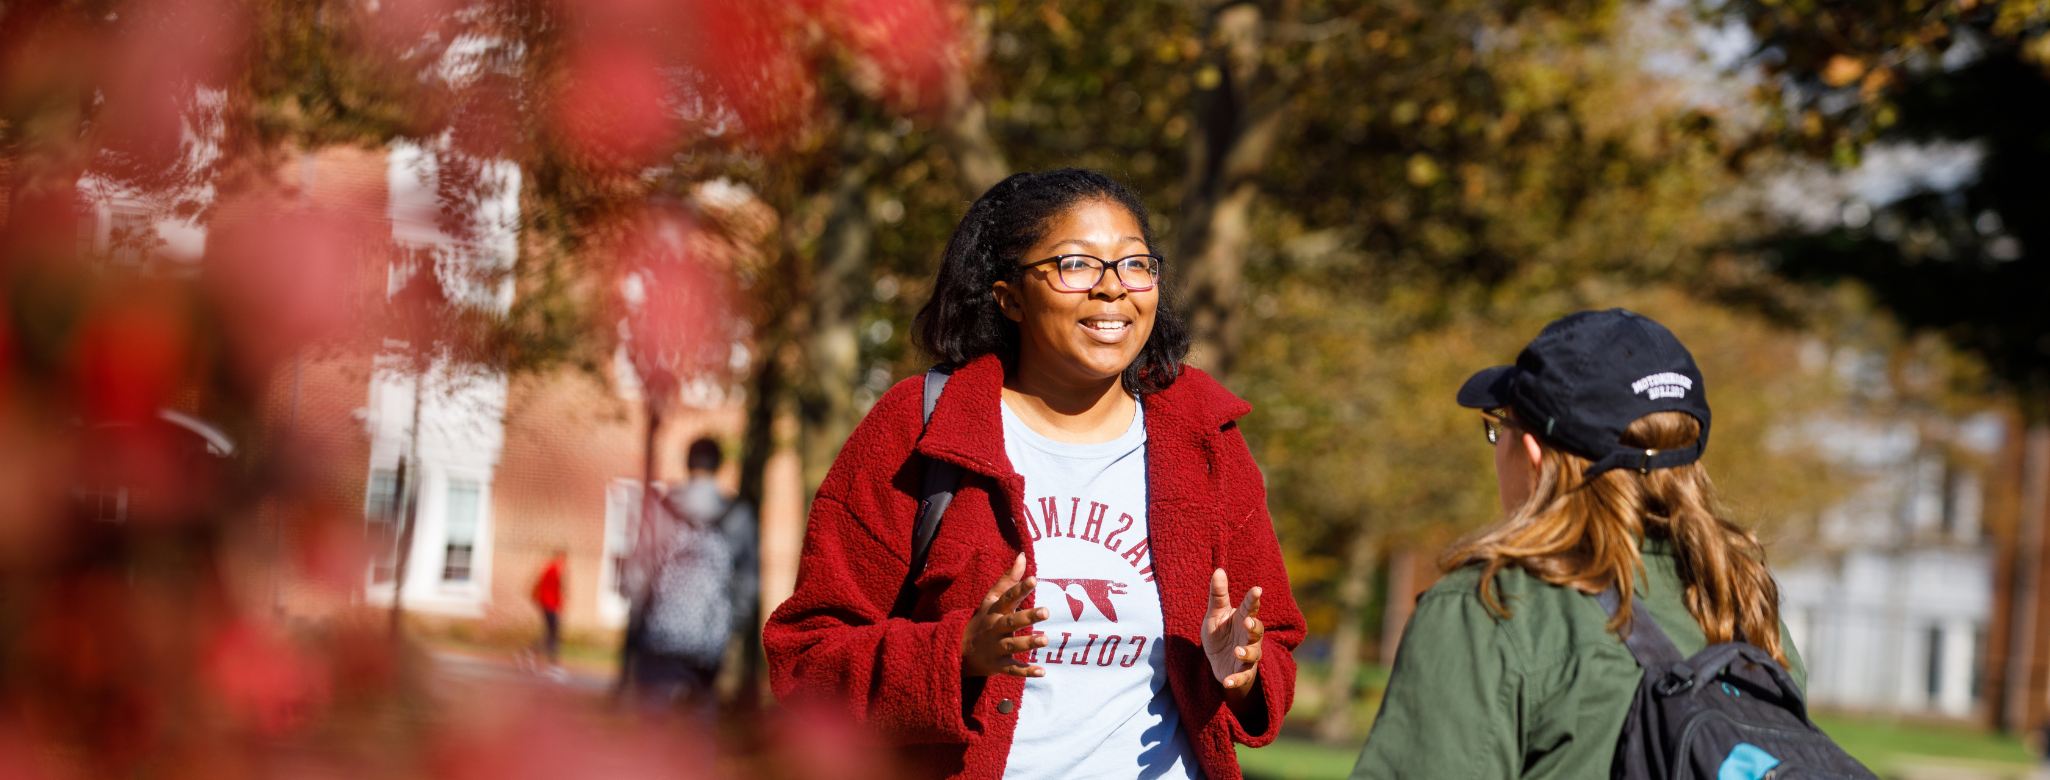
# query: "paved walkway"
[[463, 667]]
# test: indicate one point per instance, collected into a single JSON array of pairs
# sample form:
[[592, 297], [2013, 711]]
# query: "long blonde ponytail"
[[1583, 534]]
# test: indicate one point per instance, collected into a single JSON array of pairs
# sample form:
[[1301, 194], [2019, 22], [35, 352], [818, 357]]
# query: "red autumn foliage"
[[748, 57], [484, 117], [544, 738], [398, 25], [615, 108], [154, 59], [264, 682], [20, 756], [822, 744], [288, 279], [679, 314], [910, 45], [140, 640], [131, 355], [331, 550]]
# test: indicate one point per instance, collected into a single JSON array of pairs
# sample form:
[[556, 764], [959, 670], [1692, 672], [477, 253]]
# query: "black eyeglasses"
[[1082, 273], [1493, 422]]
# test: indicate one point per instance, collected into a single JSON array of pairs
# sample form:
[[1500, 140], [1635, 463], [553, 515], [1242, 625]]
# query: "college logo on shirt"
[[1098, 591], [1092, 531], [1077, 548]]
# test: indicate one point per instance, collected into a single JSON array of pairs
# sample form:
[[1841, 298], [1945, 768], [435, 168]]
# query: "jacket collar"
[[967, 426]]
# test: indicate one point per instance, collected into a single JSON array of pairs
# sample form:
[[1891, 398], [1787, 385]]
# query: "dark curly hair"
[[962, 321]]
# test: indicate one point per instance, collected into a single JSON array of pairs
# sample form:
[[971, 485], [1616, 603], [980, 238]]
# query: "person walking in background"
[[1105, 597], [698, 589], [547, 595], [1511, 667]]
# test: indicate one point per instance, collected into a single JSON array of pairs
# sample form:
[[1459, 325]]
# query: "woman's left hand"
[[1231, 637]]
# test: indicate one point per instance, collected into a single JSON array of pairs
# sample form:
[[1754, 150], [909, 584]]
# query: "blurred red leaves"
[[748, 55], [675, 296], [283, 280], [142, 65], [640, 76], [98, 671], [637, 78], [417, 313], [616, 108], [484, 120], [821, 743], [136, 646], [548, 737], [20, 757], [263, 681], [398, 25], [132, 354], [158, 55], [905, 49], [331, 552]]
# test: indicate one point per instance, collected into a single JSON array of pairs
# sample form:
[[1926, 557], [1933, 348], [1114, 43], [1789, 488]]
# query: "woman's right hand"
[[989, 643]]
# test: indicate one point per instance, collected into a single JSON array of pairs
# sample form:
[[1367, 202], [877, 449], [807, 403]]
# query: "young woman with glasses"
[[1105, 597]]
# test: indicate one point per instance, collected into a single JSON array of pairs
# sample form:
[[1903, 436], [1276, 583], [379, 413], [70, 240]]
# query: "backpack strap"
[[1647, 642], [936, 493]]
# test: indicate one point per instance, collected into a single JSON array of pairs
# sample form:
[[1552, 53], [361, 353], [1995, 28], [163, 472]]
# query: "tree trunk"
[[1401, 600], [758, 443], [649, 551], [963, 125], [765, 392], [2028, 579], [1335, 726], [832, 347], [838, 283], [964, 131], [1236, 129], [408, 493]]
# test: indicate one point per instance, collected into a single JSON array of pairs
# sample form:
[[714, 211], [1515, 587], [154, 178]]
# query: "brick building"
[[507, 469]]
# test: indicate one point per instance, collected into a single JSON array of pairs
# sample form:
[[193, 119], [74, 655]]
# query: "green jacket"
[[1540, 694]]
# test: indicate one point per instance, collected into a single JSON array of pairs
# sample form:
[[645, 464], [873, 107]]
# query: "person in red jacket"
[[1105, 596], [548, 596]]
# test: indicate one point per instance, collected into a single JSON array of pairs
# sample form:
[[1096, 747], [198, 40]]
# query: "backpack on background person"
[[1728, 713]]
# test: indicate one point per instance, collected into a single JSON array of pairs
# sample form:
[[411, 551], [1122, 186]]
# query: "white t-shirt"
[[1103, 711]]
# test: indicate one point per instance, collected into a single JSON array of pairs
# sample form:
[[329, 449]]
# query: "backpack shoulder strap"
[[1647, 642], [935, 383], [936, 493]]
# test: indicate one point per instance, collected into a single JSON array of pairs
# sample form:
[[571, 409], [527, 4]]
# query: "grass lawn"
[[1890, 747], [579, 656], [1297, 759]]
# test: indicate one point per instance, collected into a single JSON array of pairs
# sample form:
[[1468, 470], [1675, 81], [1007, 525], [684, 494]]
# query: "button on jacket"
[[834, 643], [1540, 694]]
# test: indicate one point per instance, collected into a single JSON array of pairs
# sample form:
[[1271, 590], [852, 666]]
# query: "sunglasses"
[[1494, 422]]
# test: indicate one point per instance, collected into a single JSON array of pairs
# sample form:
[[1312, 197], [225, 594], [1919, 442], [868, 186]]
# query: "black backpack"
[[1728, 713]]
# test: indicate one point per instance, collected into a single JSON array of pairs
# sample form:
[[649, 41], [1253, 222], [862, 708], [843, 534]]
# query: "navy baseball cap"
[[1587, 377]]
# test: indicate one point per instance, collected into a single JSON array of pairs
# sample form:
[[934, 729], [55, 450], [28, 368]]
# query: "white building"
[[462, 416], [1889, 607]]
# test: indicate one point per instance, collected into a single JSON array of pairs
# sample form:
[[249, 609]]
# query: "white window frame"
[[476, 530], [381, 547], [425, 590], [623, 505]]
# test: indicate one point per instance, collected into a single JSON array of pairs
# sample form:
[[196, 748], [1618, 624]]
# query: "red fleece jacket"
[[833, 641]]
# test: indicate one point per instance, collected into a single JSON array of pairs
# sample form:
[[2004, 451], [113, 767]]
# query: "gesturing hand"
[[1231, 637], [987, 643]]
